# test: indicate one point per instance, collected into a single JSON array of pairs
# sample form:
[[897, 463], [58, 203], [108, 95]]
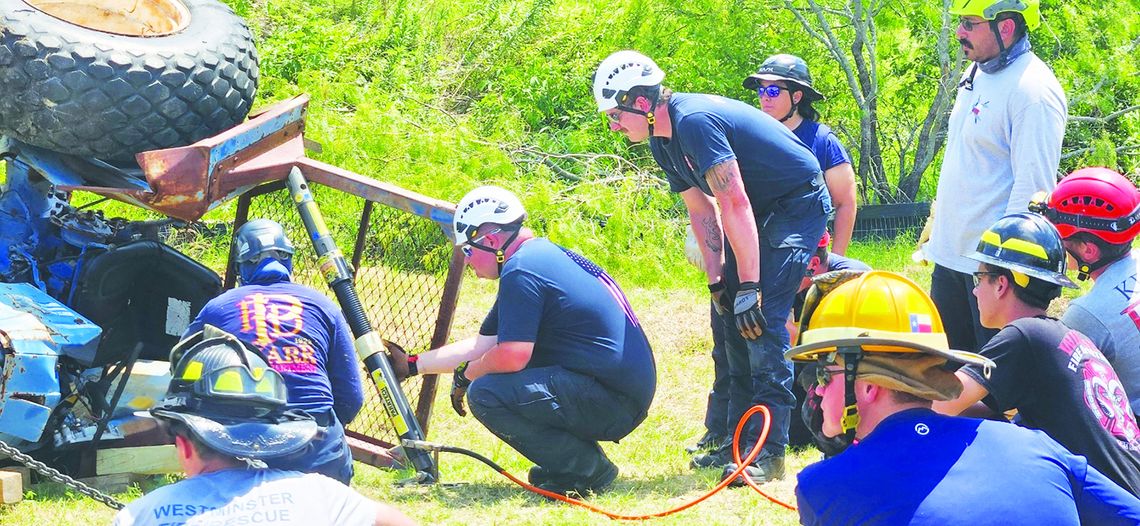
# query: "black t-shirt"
[[1060, 383]]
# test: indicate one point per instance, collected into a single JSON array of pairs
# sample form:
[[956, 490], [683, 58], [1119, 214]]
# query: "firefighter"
[[228, 414], [303, 335]]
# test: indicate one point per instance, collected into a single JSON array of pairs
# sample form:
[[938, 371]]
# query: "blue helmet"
[[259, 239]]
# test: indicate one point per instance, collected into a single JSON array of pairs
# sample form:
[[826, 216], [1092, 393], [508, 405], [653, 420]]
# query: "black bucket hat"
[[788, 68]]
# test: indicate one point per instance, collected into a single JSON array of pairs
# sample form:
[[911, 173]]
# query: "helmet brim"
[[1055, 278], [258, 440], [752, 82], [811, 351]]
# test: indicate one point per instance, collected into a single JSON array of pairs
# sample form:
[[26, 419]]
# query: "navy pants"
[[953, 295], [716, 412], [328, 455], [758, 372], [554, 417]]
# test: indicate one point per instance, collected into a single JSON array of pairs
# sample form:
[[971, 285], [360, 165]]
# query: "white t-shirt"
[[1003, 145], [246, 497], [1110, 316]]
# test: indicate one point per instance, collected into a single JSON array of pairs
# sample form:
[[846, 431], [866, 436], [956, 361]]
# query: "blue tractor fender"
[[35, 331]]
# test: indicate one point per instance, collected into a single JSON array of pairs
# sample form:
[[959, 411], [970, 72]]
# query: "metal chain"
[[56, 476]]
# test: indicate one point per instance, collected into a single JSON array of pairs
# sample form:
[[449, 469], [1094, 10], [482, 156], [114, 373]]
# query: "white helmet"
[[621, 72], [486, 204]]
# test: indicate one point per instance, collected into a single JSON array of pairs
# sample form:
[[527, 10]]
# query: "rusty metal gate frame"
[[371, 445], [251, 161]]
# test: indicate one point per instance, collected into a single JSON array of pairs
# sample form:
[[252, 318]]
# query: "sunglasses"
[[969, 25], [467, 247], [978, 276], [823, 375], [771, 92]]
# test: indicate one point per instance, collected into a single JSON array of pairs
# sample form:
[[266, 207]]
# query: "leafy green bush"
[[439, 97]]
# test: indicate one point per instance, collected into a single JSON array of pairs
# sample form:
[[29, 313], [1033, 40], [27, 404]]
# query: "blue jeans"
[[758, 371], [554, 417], [328, 454], [953, 295]]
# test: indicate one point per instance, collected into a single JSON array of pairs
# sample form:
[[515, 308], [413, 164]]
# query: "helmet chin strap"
[[1085, 268], [649, 117], [851, 357], [500, 254], [1002, 50]]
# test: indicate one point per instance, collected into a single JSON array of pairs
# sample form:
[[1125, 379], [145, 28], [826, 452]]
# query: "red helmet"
[[1098, 201], [825, 240]]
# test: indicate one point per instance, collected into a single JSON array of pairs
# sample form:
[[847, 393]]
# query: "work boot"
[[708, 442], [537, 476], [716, 458], [597, 482], [768, 466]]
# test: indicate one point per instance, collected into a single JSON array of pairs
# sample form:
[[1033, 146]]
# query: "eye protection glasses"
[[978, 276], [474, 243], [615, 117], [823, 375]]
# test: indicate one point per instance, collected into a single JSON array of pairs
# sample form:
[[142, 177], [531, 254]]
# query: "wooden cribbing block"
[[24, 471], [146, 460], [11, 487]]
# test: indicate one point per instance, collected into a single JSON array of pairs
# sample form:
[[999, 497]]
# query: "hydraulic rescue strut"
[[369, 344]]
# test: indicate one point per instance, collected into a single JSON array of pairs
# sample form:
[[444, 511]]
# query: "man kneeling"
[[560, 362]]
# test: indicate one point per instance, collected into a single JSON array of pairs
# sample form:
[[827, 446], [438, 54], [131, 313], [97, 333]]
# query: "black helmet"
[[259, 238], [1025, 243], [789, 68], [226, 394]]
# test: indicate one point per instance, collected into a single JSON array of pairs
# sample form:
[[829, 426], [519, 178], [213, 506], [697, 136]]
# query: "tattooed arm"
[[736, 217], [706, 226]]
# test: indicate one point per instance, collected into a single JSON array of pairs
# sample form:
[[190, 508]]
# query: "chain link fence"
[[406, 274]]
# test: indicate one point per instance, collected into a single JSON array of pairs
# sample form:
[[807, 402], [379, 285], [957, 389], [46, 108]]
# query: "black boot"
[[596, 482], [716, 458], [768, 466], [708, 442]]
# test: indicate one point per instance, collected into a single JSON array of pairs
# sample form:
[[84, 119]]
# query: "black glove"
[[459, 383], [402, 364], [719, 298], [749, 319]]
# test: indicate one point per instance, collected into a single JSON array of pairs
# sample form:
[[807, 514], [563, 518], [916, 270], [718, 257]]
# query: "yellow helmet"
[[989, 9], [881, 312]]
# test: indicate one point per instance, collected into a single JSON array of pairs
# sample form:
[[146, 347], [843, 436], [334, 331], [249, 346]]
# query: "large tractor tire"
[[111, 78]]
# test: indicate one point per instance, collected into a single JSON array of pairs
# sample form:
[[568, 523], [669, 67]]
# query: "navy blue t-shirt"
[[577, 317], [709, 130], [823, 143], [921, 468]]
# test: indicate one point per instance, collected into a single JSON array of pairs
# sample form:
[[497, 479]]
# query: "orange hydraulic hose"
[[617, 516]]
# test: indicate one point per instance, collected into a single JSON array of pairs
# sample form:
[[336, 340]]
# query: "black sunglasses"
[[969, 25], [978, 276], [823, 375]]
